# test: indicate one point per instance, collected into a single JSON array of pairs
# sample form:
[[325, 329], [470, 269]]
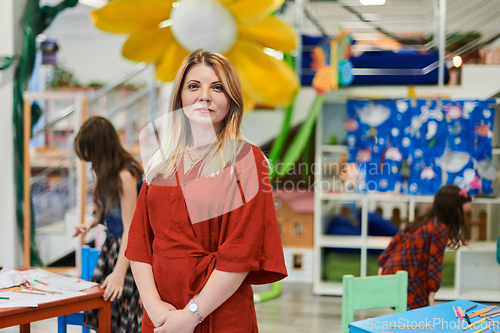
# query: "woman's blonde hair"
[[177, 130]]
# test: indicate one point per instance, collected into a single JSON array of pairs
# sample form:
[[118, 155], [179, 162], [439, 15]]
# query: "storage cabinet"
[[473, 272]]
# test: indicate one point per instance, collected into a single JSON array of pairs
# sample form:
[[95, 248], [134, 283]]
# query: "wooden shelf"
[[354, 242], [332, 288], [377, 242], [479, 247], [348, 242], [480, 295], [328, 288], [446, 294], [334, 149], [392, 197], [326, 148]]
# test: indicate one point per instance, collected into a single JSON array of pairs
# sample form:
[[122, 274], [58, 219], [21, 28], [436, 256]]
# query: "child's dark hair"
[[97, 142], [448, 209]]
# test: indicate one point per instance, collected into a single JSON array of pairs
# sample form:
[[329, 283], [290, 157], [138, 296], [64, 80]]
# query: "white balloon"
[[204, 24]]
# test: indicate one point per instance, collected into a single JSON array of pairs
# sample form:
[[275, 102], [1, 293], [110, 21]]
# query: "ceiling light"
[[372, 2], [457, 61]]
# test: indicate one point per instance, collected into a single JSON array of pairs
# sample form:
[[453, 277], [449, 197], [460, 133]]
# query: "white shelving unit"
[[476, 268]]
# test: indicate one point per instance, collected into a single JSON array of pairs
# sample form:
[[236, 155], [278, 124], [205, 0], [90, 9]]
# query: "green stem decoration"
[[274, 156], [279, 142], [301, 139], [34, 22], [306, 158], [275, 291]]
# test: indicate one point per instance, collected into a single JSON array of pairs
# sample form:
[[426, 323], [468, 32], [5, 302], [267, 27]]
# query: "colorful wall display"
[[415, 145]]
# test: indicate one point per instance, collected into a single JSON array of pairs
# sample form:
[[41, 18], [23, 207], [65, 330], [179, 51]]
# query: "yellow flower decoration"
[[164, 32]]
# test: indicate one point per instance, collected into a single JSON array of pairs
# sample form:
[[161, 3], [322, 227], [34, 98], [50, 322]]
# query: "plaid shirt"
[[421, 254]]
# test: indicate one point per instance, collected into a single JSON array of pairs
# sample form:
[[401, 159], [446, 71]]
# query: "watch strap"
[[196, 312]]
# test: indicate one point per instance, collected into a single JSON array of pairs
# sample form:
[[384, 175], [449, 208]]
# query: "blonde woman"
[[204, 228]]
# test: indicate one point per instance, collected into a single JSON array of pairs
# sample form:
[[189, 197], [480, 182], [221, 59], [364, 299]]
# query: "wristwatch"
[[193, 307]]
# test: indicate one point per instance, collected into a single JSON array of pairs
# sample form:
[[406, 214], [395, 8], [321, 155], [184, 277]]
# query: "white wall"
[[91, 54], [11, 243], [262, 126]]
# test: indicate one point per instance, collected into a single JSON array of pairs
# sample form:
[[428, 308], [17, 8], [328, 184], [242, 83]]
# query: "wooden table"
[[93, 299]]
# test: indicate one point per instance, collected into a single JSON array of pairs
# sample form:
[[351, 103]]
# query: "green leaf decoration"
[[306, 159], [280, 140], [6, 62], [34, 21], [299, 143]]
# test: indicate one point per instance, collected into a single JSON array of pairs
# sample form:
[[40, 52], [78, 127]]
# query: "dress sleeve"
[[140, 236], [250, 239], [389, 249], [438, 240]]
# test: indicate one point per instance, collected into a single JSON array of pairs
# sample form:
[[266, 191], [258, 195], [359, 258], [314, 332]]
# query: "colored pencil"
[[470, 308], [477, 322], [479, 312], [47, 291], [490, 313], [413, 326], [41, 282], [27, 292], [482, 330], [493, 321]]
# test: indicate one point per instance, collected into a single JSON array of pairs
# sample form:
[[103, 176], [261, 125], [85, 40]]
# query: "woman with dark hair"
[[205, 227], [118, 180], [419, 248]]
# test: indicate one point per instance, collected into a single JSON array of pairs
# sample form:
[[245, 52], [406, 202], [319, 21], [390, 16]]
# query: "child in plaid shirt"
[[419, 248]]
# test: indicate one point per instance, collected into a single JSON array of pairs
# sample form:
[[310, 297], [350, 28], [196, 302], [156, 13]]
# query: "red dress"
[[186, 227], [421, 254]]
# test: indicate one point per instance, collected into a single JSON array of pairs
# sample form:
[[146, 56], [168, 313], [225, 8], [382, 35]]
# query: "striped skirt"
[[126, 312]]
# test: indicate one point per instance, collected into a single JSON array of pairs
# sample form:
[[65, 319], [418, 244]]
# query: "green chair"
[[372, 292]]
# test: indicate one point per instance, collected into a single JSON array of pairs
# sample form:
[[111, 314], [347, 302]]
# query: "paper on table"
[[66, 287], [27, 299], [10, 278], [59, 282], [17, 299]]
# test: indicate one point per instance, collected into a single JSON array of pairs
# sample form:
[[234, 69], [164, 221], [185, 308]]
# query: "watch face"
[[193, 307]]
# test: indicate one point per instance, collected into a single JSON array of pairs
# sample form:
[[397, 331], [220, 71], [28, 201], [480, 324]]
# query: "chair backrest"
[[372, 292], [89, 260]]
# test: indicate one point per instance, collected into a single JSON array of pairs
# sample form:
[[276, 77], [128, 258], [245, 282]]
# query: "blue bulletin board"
[[414, 145], [436, 318]]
